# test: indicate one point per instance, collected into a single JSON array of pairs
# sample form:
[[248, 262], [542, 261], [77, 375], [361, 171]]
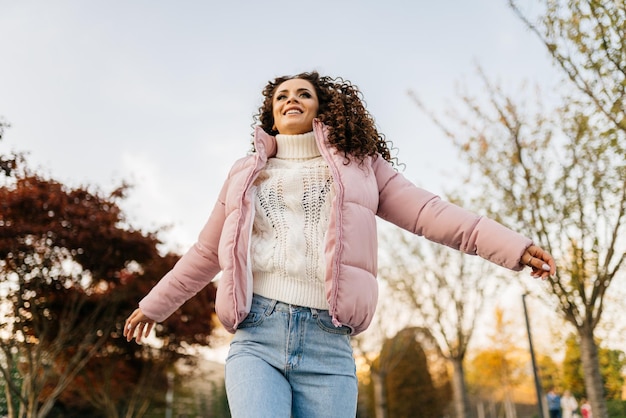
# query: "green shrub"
[[616, 408]]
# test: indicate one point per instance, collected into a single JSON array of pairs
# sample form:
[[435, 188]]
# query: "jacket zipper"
[[247, 192], [338, 214]]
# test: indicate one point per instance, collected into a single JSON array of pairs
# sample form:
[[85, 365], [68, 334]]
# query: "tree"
[[413, 386], [7, 406], [574, 207], [106, 383], [550, 372], [367, 346], [72, 269], [587, 40], [7, 163], [612, 364], [560, 175], [572, 368], [497, 371], [52, 305], [445, 291]]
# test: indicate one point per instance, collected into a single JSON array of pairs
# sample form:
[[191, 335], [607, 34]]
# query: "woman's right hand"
[[137, 322]]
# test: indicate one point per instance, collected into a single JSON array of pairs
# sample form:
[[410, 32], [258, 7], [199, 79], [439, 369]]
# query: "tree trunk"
[[9, 398], [492, 409], [509, 406], [591, 372], [461, 403], [45, 408], [480, 409], [380, 395]]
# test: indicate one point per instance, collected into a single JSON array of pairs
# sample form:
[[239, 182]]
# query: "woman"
[[569, 405], [294, 235]]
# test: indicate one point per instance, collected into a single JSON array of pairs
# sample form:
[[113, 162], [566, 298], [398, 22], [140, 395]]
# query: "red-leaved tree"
[[71, 270]]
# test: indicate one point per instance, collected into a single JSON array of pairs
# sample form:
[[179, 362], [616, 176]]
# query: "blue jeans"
[[290, 361]]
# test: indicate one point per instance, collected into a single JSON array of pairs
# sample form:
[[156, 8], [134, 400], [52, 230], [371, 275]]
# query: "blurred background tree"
[[587, 41], [415, 381], [497, 372], [612, 368], [7, 162], [71, 270], [559, 175]]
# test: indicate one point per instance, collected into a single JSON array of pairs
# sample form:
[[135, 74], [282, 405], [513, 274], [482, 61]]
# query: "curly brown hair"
[[341, 107]]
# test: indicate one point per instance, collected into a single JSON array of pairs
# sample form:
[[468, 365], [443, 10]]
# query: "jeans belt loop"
[[270, 307]]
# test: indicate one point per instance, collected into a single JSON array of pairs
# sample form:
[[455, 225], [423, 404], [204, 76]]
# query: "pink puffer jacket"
[[361, 192]]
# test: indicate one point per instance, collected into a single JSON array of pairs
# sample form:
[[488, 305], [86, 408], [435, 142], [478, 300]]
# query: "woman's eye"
[[306, 95], [280, 97]]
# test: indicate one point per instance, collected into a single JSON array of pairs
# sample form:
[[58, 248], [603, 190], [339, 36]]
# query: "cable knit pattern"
[[292, 207]]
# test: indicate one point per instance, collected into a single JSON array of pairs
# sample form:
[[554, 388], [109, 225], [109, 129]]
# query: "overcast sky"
[[162, 94]]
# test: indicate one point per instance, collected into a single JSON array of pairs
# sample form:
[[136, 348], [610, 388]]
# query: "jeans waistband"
[[276, 305]]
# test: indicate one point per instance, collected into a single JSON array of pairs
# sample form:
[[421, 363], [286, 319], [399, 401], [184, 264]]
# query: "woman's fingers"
[[137, 325], [540, 261]]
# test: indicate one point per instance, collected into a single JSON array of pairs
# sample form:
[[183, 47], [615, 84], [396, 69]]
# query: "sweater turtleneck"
[[297, 147]]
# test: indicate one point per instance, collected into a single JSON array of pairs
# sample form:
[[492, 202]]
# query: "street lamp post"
[[534, 362]]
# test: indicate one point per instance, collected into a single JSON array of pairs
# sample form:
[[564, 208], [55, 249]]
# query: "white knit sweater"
[[292, 208]]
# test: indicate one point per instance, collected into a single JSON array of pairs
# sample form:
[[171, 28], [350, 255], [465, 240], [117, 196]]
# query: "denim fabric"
[[290, 361]]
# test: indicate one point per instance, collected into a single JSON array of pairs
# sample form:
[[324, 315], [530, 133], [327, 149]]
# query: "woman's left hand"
[[540, 261]]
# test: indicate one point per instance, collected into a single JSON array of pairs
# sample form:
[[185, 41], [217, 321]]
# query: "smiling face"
[[294, 106]]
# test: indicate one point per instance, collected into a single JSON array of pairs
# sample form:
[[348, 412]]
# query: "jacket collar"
[[264, 143]]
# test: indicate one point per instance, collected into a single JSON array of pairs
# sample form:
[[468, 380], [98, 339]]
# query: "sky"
[[161, 94]]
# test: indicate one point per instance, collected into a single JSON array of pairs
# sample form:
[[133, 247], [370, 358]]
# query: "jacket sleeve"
[[424, 213], [192, 272]]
